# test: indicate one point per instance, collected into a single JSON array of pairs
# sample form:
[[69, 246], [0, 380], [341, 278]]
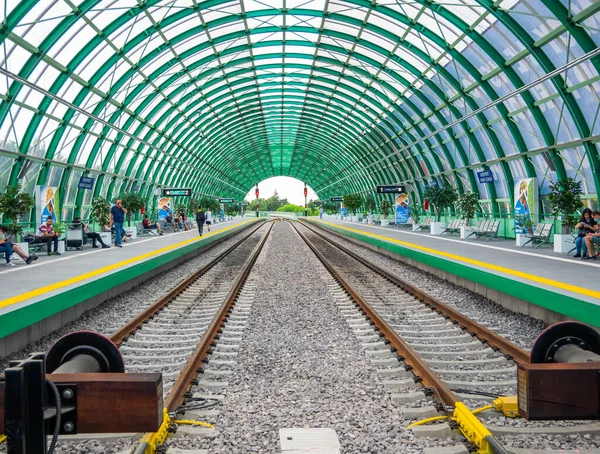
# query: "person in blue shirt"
[[117, 218]]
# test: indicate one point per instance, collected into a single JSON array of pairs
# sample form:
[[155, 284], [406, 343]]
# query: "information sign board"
[[391, 189], [86, 183], [243, 204], [336, 199], [173, 192], [487, 176], [226, 200]]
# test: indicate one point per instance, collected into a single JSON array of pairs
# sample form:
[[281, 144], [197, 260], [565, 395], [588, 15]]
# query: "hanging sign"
[[86, 183], [226, 200], [391, 189], [176, 192], [243, 204], [336, 199], [486, 176]]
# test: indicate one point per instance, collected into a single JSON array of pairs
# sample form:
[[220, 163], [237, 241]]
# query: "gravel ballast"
[[300, 365]]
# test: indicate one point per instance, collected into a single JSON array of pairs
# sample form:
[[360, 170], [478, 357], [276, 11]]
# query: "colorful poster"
[[46, 200], [164, 208], [526, 201], [402, 209]]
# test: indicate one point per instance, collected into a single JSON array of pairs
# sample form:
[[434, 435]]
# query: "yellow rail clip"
[[157, 438]]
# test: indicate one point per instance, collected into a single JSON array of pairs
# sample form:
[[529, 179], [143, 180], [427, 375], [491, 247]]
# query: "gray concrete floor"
[[542, 262]]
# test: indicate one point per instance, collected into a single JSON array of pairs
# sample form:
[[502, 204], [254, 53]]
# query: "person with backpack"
[[200, 218]]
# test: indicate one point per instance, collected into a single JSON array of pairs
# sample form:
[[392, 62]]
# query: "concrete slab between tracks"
[[541, 284], [45, 296]]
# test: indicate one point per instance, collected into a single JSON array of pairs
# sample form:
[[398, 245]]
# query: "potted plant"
[[100, 214], [13, 205], [565, 200], [353, 202], [384, 208], [523, 226], [370, 207], [441, 198], [467, 207]]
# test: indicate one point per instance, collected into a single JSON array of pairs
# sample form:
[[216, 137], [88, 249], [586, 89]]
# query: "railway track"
[[431, 360], [174, 335], [421, 344]]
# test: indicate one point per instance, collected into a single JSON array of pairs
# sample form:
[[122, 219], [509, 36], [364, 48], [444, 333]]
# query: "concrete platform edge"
[[517, 296], [30, 323]]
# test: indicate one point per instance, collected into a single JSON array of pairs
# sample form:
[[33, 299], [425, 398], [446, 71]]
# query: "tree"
[[467, 205], [13, 205], [291, 208], [274, 202], [565, 199], [331, 207], [100, 211], [353, 202], [385, 206], [440, 198], [133, 202], [370, 203], [210, 202], [193, 205]]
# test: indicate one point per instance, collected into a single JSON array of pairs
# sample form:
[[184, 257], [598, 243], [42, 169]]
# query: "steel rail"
[[177, 394], [469, 425], [134, 324], [487, 336], [408, 355]]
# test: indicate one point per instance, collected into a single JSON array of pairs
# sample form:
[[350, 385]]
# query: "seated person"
[[149, 226], [184, 222], [9, 248], [46, 234], [177, 223], [592, 239], [87, 233], [169, 221]]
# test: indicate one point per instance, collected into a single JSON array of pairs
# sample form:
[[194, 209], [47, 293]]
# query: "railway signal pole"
[[256, 192], [305, 206]]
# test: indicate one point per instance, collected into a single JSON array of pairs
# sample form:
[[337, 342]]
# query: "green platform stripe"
[[31, 314], [563, 304]]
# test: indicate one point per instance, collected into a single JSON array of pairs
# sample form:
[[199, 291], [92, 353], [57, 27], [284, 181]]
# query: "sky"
[[287, 188]]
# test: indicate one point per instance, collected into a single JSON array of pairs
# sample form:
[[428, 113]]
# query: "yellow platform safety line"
[[2, 438], [501, 269], [156, 439], [49, 288]]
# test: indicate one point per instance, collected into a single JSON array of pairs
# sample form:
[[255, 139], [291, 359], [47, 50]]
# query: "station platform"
[[52, 291], [538, 282]]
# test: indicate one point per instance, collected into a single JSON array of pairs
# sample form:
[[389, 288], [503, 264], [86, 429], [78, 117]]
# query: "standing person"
[[9, 248], [200, 217], [321, 212], [46, 234], [208, 218], [117, 218]]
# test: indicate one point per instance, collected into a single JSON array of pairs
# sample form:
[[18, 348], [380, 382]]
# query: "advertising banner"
[[164, 208], [46, 204], [402, 209], [485, 177], [86, 183], [526, 202]]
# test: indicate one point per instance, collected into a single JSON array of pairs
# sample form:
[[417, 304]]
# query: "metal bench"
[[541, 235], [454, 227], [425, 224], [142, 231], [487, 229]]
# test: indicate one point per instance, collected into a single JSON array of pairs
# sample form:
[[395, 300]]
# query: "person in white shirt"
[[208, 221]]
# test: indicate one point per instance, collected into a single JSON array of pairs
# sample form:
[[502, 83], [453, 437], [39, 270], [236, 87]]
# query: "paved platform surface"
[[536, 268], [48, 276]]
